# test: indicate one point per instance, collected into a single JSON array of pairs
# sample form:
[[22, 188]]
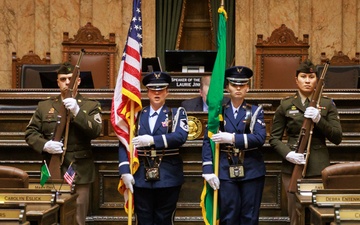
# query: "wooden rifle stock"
[[63, 123], [305, 131]]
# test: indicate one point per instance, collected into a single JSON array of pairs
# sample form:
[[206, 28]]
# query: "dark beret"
[[238, 75], [65, 68], [156, 80], [306, 67]]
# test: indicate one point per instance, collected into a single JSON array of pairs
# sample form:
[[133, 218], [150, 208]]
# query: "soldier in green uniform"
[[289, 117], [85, 125]]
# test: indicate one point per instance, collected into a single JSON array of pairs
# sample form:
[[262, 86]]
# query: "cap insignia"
[[239, 70], [157, 75]]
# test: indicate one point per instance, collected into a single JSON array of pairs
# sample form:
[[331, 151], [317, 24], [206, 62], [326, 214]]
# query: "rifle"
[[305, 134], [63, 121]]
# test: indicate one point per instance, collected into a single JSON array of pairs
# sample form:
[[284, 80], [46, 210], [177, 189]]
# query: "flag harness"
[[236, 156], [152, 161]]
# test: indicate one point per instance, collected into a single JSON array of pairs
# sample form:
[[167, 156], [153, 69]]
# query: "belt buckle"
[[153, 153]]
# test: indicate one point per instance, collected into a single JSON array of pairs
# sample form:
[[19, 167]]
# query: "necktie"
[[235, 114], [152, 121], [306, 103]]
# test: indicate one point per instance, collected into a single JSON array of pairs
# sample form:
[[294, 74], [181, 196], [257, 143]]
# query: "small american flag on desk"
[[69, 175]]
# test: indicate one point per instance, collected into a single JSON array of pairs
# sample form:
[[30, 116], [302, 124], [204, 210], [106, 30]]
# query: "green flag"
[[214, 101], [45, 174]]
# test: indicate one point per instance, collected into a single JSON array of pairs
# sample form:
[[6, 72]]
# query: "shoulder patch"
[[97, 118]]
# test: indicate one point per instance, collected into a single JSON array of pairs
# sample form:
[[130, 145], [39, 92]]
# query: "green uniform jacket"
[[289, 117], [83, 128]]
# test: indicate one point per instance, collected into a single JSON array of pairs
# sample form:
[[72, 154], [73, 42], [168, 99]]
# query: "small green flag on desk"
[[45, 174]]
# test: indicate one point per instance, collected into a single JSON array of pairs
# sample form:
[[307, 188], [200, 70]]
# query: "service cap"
[[238, 75], [306, 67], [156, 80], [65, 68]]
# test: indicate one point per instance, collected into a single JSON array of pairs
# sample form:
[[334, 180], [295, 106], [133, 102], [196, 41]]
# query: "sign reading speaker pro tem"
[[185, 82]]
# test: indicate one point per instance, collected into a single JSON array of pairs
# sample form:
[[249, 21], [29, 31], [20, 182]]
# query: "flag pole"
[[216, 171], [131, 160]]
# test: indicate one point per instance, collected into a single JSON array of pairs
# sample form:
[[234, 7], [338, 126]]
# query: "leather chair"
[[99, 58], [278, 57], [12, 177], [342, 176], [17, 64]]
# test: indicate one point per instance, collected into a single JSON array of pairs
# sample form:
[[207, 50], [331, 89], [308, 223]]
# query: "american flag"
[[128, 88], [69, 175]]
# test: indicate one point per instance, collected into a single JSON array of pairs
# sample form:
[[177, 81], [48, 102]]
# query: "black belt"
[[157, 152]]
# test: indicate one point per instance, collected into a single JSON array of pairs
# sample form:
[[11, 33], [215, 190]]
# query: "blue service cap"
[[156, 80], [238, 75]]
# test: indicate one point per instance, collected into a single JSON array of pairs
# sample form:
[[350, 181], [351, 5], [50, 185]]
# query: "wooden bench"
[[303, 198], [40, 204], [323, 202], [13, 214]]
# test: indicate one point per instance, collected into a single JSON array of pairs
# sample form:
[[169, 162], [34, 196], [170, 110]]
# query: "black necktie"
[[235, 114], [154, 114]]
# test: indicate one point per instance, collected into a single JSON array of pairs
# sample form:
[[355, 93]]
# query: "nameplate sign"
[[306, 188], [185, 82], [57, 187], [349, 214], [11, 214], [330, 199], [26, 198]]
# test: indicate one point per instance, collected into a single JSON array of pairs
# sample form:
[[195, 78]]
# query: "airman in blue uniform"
[[241, 166], [160, 132]]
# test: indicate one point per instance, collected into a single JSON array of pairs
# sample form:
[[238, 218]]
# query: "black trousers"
[[155, 206]]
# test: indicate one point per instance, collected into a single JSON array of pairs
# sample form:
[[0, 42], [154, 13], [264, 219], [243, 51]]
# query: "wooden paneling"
[[17, 107]]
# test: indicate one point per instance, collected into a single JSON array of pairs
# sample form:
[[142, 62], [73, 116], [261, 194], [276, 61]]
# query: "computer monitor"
[[341, 77], [176, 60]]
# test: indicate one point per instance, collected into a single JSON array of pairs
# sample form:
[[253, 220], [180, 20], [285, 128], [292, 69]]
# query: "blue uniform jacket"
[[254, 165], [171, 167]]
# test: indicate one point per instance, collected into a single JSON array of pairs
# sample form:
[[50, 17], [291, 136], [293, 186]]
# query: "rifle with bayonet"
[[63, 121], [303, 142]]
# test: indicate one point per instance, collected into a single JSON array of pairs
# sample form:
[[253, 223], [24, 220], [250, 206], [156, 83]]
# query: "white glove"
[[143, 140], [128, 181], [223, 137], [296, 158], [213, 180], [71, 104], [312, 113], [53, 147]]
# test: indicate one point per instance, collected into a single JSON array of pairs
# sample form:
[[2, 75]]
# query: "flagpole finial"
[[222, 2]]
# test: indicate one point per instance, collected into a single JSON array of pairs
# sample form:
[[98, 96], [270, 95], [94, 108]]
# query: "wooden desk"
[[40, 204], [321, 216], [67, 212], [43, 215], [302, 208], [303, 198]]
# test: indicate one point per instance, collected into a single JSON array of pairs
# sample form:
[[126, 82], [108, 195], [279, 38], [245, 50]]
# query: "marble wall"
[[38, 25]]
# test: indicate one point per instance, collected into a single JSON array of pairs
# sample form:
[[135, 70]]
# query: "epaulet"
[[284, 99]]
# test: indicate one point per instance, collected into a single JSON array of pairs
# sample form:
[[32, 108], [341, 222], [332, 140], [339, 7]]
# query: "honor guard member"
[[241, 166], [160, 132], [85, 125], [289, 117]]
